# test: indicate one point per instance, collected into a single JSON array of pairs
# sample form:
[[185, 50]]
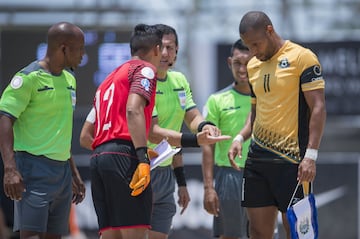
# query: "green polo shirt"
[[43, 106], [228, 109], [173, 98]]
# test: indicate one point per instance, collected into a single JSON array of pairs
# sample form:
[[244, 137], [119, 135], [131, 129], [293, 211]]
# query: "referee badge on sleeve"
[[16, 82]]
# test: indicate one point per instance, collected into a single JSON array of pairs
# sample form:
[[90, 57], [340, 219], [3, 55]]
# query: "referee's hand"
[[13, 184], [78, 188]]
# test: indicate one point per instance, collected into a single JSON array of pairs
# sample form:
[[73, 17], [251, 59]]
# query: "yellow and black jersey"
[[281, 126]]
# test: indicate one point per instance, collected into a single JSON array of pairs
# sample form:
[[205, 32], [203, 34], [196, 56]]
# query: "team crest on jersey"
[[284, 63], [16, 82], [146, 84], [148, 72]]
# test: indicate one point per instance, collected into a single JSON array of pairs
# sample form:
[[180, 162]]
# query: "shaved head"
[[62, 33], [254, 20], [65, 47]]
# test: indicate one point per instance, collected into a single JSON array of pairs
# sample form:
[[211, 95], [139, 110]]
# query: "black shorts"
[[111, 168], [270, 184]]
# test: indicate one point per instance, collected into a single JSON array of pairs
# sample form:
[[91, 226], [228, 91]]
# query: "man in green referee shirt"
[[228, 109], [36, 114]]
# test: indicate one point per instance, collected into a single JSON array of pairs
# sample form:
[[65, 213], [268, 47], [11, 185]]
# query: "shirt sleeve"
[[311, 75], [17, 95], [143, 81], [91, 116]]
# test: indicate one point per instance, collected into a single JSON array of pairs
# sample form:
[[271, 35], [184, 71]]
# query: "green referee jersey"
[[228, 109], [173, 98], [42, 105]]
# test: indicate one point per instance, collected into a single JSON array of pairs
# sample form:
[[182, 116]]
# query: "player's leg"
[[111, 234], [133, 233], [258, 198], [157, 235], [286, 225], [262, 222], [285, 180]]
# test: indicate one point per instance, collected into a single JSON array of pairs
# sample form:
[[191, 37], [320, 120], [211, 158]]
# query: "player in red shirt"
[[123, 104]]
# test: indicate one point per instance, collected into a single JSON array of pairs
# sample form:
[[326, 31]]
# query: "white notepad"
[[164, 151]]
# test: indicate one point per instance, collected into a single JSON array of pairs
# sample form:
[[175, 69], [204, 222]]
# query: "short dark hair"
[[166, 30], [238, 45], [255, 20], [144, 38]]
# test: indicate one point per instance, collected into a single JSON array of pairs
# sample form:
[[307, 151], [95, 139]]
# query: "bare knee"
[[262, 222]]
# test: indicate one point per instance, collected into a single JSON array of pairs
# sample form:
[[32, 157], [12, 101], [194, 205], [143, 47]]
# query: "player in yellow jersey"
[[287, 121]]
